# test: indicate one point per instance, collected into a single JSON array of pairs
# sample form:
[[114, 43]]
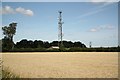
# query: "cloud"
[[10, 10], [98, 9], [93, 30], [102, 27], [7, 10], [24, 11], [99, 0], [104, 0], [91, 13]]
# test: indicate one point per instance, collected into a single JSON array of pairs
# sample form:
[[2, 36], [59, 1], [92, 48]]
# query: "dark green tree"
[[9, 32], [79, 44], [46, 44], [54, 43], [22, 44], [7, 44]]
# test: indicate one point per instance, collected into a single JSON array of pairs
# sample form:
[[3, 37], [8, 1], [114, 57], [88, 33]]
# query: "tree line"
[[7, 44], [41, 44]]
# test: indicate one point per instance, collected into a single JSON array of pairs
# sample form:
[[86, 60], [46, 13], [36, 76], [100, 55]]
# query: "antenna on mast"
[[60, 34], [90, 44]]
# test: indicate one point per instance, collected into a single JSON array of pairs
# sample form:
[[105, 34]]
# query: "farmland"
[[62, 64]]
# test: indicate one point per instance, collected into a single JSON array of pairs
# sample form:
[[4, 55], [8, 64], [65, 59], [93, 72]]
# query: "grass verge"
[[7, 74]]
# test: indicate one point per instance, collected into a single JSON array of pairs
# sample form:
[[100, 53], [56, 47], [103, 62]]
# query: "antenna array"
[[60, 34]]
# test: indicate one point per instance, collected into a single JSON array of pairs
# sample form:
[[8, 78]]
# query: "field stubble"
[[63, 64]]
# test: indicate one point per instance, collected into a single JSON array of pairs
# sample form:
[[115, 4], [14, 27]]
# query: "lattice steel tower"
[[60, 34], [90, 44]]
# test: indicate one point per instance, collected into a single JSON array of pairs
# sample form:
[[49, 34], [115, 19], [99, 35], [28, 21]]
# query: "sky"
[[95, 22], [59, 0]]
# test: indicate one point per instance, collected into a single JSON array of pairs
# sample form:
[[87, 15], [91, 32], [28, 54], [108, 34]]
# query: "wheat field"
[[62, 64]]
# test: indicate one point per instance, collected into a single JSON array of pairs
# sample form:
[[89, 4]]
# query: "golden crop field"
[[63, 64]]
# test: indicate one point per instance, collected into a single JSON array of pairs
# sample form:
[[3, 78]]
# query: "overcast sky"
[[83, 21]]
